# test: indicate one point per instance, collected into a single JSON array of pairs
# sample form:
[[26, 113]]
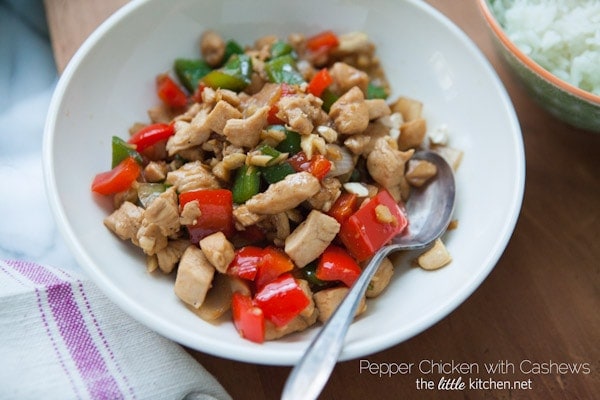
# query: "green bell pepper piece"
[[121, 150], [245, 184], [328, 98], [283, 69], [309, 274], [275, 173], [281, 48], [376, 92], [291, 143], [190, 72], [234, 75], [270, 151], [231, 48]]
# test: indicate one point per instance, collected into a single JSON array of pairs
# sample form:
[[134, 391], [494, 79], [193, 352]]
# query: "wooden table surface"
[[539, 307]]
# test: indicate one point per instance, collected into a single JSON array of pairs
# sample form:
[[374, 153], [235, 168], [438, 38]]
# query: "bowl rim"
[[528, 61], [351, 352]]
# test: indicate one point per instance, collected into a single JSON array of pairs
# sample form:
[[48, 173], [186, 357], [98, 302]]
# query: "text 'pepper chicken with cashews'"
[[268, 175]]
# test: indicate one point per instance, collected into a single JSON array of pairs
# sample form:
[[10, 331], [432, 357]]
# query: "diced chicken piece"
[[262, 46], [374, 131], [267, 96], [192, 154], [169, 257], [327, 195], [208, 96], [190, 113], [328, 300], [191, 176], [189, 134], [386, 164], [211, 96], [345, 77], [220, 114], [126, 221], [164, 212], [244, 217], [161, 113], [194, 277], [301, 112], [409, 108], [311, 238], [160, 220], [130, 195], [246, 132], [190, 213], [381, 279], [412, 133], [418, 172], [218, 251], [212, 48], [276, 227], [357, 144], [229, 96], [151, 263], [150, 239], [435, 257], [377, 108], [350, 112], [156, 171], [285, 194], [306, 318], [354, 42]]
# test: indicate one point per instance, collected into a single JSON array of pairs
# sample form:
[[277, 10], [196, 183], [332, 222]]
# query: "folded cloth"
[[61, 338]]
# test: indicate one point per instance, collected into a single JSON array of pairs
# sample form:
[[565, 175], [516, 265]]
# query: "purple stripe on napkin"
[[71, 325]]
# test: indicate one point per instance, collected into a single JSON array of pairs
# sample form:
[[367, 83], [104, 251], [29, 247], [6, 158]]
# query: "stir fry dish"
[[267, 175]]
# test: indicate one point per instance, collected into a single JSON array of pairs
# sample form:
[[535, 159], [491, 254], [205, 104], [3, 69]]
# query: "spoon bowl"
[[429, 210]]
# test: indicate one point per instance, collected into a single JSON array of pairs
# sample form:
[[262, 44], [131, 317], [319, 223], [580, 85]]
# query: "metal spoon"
[[429, 212]]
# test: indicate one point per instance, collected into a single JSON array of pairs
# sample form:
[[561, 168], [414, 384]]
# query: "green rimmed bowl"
[[563, 100]]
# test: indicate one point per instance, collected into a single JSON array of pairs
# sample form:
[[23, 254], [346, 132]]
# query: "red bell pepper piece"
[[299, 161], [272, 118], [248, 319], [282, 299], [117, 179], [252, 234], [197, 95], [343, 207], [363, 233], [150, 135], [245, 262], [319, 82], [322, 41], [318, 165], [273, 263], [216, 208], [169, 92], [335, 264]]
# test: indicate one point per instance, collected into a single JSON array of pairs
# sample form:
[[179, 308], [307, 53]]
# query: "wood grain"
[[539, 304], [71, 22]]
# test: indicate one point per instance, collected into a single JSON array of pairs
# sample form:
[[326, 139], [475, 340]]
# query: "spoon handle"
[[310, 375]]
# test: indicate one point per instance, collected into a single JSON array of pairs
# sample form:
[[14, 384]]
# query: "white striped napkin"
[[61, 338]]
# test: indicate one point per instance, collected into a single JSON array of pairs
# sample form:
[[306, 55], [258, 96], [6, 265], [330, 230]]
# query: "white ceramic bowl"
[[109, 84]]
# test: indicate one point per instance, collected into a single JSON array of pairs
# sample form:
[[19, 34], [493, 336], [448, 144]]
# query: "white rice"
[[563, 36]]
